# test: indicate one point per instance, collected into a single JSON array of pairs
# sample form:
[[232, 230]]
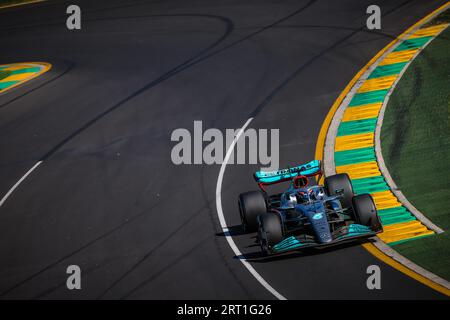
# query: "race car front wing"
[[352, 232]]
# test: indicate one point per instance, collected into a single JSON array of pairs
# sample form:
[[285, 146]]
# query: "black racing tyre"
[[365, 212], [270, 230], [251, 204], [340, 181]]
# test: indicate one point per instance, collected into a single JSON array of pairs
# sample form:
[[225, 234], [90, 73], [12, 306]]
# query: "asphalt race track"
[[107, 196]]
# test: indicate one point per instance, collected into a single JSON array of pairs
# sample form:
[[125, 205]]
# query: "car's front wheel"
[[365, 212], [340, 183], [251, 204], [270, 231]]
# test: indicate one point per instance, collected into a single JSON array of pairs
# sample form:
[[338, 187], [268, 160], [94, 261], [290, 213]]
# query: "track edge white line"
[[223, 223], [16, 185]]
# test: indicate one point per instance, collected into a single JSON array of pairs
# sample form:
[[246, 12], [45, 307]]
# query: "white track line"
[[14, 187], [220, 214], [223, 223]]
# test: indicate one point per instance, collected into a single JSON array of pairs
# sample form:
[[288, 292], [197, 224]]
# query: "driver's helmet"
[[319, 194]]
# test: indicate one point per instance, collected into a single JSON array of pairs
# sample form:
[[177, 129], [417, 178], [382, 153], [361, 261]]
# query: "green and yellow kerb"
[[354, 145], [14, 74]]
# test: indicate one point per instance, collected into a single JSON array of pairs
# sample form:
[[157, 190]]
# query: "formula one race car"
[[307, 215]]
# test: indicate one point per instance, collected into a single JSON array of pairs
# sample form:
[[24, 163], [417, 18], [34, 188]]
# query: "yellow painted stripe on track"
[[19, 4], [320, 149], [18, 77], [377, 83], [354, 141], [430, 31], [360, 170], [362, 112], [385, 200], [400, 267], [398, 56]]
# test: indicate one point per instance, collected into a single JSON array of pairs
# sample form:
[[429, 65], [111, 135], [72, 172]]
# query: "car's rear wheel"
[[270, 231], [340, 183], [366, 212], [251, 204]]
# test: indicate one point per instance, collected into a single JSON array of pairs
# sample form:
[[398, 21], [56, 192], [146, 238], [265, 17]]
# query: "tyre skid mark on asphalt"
[[177, 69], [58, 74], [184, 65], [202, 56], [88, 244]]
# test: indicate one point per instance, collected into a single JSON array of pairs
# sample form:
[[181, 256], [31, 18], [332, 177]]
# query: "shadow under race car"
[[307, 216]]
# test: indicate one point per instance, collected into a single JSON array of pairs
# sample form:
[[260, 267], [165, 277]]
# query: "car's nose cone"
[[319, 222]]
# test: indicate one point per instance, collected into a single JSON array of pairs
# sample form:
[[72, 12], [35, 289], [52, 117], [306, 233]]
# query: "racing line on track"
[[223, 223]]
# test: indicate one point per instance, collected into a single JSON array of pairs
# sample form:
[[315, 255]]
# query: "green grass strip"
[[354, 156], [430, 252], [368, 97], [412, 43], [444, 17], [356, 127], [387, 70], [415, 141], [371, 185]]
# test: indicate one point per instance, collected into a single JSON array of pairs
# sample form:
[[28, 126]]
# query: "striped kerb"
[[18, 73], [354, 144], [387, 70], [365, 111], [368, 97]]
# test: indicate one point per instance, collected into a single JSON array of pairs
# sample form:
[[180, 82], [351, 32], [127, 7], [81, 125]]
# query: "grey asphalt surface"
[[107, 196]]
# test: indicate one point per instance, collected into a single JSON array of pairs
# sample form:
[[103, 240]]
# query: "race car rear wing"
[[310, 169]]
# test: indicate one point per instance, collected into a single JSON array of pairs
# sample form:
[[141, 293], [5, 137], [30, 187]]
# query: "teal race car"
[[305, 214]]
